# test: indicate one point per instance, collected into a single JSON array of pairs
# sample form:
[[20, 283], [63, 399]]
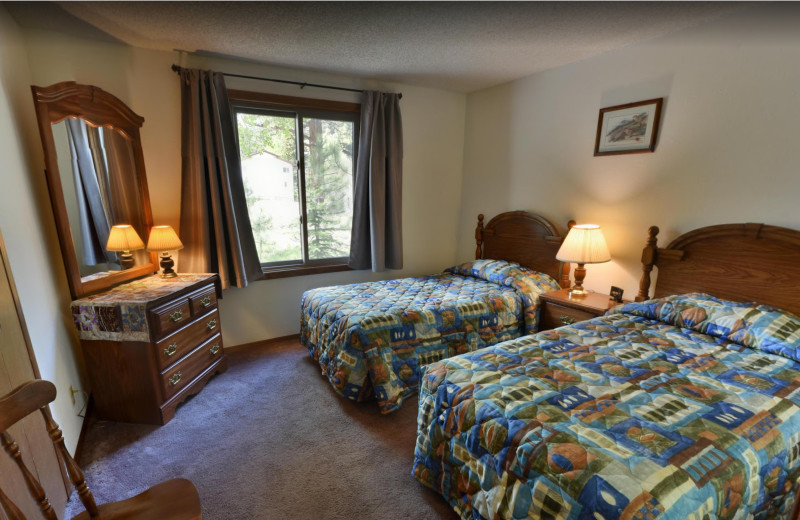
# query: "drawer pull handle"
[[566, 320], [176, 316], [212, 324], [175, 379], [206, 302], [214, 349], [171, 350]]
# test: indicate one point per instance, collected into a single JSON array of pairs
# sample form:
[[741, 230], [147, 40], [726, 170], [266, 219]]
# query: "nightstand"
[[558, 309]]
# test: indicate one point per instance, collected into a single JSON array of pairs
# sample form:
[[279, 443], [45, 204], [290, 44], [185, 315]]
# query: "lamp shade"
[[585, 244], [163, 238], [123, 237]]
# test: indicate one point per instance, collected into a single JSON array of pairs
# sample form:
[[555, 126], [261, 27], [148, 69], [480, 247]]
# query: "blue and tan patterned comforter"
[[681, 408], [372, 338]]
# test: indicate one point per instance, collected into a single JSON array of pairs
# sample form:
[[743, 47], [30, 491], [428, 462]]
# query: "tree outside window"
[[297, 166]]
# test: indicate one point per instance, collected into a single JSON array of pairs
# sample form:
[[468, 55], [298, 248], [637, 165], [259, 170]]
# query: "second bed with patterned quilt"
[[372, 338], [679, 408]]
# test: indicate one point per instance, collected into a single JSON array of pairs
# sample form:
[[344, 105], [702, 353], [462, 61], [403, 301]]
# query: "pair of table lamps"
[[124, 239]]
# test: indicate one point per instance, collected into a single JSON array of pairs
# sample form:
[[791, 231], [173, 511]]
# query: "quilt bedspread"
[[682, 408], [372, 338]]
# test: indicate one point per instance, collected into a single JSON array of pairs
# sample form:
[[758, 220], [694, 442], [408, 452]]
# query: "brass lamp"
[[123, 239], [164, 239], [585, 244]]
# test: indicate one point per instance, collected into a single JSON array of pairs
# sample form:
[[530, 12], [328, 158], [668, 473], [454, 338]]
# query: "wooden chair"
[[175, 499]]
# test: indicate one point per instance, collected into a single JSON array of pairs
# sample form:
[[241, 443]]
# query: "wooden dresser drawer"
[[186, 370], [166, 329], [203, 300], [554, 315], [178, 344], [170, 317]]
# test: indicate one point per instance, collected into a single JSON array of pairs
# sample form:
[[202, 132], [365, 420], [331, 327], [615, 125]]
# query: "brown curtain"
[[377, 236], [215, 227]]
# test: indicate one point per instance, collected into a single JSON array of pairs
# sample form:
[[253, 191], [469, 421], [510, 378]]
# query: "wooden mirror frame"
[[98, 108]]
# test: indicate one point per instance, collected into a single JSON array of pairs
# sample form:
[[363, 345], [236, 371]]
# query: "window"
[[298, 163]]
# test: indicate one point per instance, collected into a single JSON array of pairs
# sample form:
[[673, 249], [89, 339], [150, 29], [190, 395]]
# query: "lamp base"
[[126, 260], [166, 264], [577, 290]]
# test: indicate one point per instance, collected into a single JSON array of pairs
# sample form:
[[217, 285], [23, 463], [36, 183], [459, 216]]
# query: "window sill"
[[302, 270]]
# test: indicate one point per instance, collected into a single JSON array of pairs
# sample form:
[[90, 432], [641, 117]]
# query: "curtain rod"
[[177, 68]]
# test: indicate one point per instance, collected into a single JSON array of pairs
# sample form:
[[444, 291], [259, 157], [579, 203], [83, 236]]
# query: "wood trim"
[[84, 427], [291, 102], [262, 343], [649, 254], [740, 262], [302, 270]]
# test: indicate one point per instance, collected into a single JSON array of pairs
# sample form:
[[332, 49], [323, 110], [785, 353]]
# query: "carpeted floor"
[[269, 439]]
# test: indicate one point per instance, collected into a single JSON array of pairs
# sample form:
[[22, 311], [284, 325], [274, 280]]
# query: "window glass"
[[297, 166], [328, 154], [267, 148]]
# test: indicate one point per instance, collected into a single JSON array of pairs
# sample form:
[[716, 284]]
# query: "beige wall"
[[727, 150], [433, 122], [26, 223]]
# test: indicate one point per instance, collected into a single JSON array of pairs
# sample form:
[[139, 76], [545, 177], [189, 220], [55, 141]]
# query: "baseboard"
[[262, 343], [84, 427]]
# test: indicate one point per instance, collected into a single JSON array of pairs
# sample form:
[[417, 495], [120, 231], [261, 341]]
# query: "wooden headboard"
[[526, 238], [741, 262]]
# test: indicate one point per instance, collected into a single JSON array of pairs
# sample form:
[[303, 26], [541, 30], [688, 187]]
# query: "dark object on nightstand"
[[559, 309], [616, 294]]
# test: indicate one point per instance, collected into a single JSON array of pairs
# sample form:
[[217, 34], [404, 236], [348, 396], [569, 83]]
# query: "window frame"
[[274, 104]]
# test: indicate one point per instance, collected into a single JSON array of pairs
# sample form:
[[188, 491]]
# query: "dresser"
[[559, 309], [149, 344]]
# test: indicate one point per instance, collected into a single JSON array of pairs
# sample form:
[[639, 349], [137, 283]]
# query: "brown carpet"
[[269, 439]]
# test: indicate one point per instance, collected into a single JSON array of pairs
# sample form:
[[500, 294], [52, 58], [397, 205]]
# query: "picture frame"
[[629, 128]]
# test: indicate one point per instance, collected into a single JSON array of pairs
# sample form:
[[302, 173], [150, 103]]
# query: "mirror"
[[96, 177]]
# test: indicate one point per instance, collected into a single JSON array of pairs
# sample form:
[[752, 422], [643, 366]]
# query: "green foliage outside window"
[[274, 213]]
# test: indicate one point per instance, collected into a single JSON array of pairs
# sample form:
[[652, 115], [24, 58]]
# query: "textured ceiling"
[[461, 46]]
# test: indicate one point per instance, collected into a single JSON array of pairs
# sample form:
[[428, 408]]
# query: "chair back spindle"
[[8, 507], [21, 402], [73, 470], [34, 486], [175, 499]]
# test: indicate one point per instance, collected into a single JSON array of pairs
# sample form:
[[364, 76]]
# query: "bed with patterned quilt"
[[681, 407], [370, 339]]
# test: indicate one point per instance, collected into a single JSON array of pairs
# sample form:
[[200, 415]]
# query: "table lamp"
[[164, 239], [123, 239], [585, 244]]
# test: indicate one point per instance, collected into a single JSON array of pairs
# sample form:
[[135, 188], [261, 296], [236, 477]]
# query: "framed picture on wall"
[[630, 128]]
